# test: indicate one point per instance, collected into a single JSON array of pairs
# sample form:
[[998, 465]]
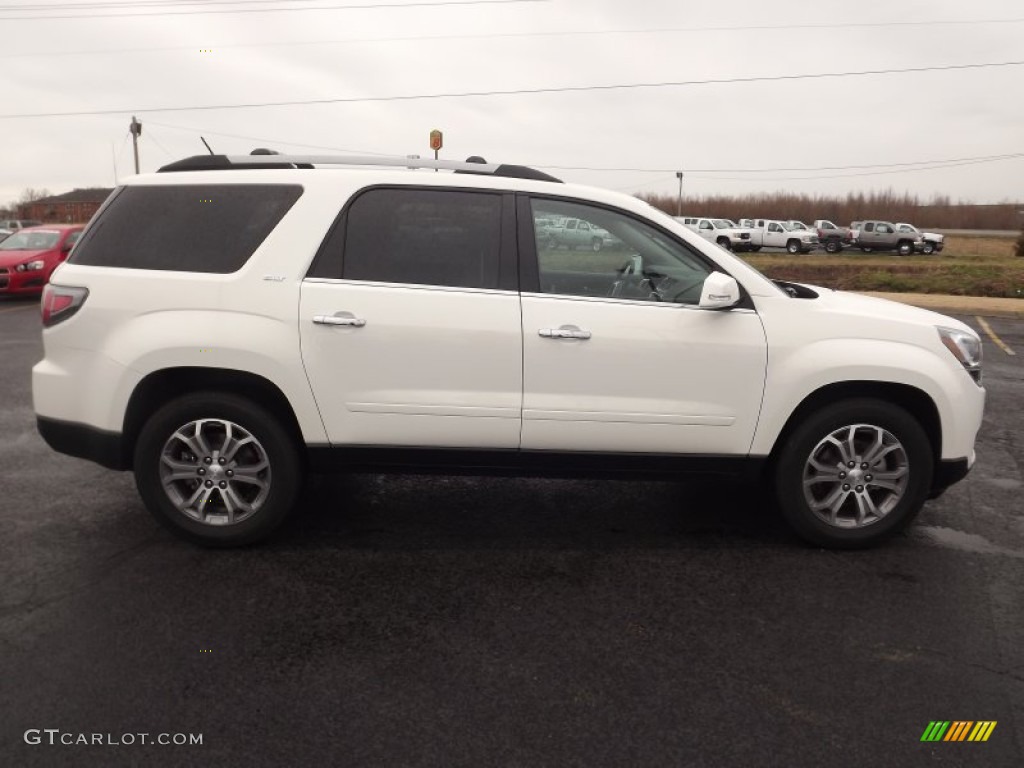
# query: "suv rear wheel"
[[854, 473], [217, 469]]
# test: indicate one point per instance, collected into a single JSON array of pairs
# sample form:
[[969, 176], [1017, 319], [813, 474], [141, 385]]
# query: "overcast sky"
[[715, 133]]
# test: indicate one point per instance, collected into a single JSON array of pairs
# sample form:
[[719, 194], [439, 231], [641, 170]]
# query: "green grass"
[[969, 266]]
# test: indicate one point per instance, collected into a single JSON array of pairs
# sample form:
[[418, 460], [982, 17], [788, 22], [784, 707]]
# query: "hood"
[[13, 258], [873, 308]]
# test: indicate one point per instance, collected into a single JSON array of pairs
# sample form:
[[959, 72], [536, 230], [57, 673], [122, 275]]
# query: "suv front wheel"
[[854, 473], [217, 469]]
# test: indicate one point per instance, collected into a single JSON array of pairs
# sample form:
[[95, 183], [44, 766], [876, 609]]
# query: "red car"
[[29, 256]]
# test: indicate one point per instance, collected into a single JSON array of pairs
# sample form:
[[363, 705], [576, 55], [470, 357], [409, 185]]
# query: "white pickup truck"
[[721, 231], [770, 233]]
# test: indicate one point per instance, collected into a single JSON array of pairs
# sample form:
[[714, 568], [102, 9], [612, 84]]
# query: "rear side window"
[[211, 228], [423, 237]]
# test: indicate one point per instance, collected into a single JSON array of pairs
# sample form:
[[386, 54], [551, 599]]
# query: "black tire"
[[283, 477], [905, 248], [795, 453], [596, 244], [867, 248], [755, 248], [928, 248], [832, 245], [793, 246], [725, 243]]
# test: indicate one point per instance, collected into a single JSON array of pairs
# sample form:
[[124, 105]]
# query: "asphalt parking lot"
[[448, 621]]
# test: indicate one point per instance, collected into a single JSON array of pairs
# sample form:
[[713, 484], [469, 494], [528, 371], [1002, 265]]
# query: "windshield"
[[30, 241], [722, 224]]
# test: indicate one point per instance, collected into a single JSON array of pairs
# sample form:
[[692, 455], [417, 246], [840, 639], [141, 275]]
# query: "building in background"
[[74, 207]]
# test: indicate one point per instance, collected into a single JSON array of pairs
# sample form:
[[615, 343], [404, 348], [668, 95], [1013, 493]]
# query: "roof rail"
[[248, 162]]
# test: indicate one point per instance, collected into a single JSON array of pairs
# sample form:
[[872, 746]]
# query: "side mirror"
[[719, 292]]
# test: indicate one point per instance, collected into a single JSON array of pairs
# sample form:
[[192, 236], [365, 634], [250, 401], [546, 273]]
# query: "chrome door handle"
[[339, 318], [565, 332]]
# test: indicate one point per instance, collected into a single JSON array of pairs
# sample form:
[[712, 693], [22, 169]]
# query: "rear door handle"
[[339, 318], [564, 332]]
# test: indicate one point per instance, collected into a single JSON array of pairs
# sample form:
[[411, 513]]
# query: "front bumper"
[[949, 472], [20, 283]]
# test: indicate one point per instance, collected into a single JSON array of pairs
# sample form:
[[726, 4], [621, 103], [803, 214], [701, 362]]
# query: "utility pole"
[[679, 204], [136, 130]]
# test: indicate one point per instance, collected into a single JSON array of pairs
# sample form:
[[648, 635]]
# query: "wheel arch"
[[166, 384], [913, 400]]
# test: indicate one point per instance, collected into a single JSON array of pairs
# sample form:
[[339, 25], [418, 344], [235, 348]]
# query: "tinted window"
[[424, 237], [631, 260], [193, 228]]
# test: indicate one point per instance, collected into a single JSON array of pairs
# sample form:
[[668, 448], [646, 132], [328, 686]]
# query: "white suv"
[[228, 323]]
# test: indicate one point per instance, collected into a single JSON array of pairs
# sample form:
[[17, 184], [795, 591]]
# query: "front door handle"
[[340, 318], [564, 332]]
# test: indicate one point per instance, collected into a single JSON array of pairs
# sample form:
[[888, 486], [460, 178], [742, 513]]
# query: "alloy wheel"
[[855, 476], [215, 472]]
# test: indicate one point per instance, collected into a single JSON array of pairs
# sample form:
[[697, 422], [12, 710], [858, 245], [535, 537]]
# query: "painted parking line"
[[992, 335], [15, 309]]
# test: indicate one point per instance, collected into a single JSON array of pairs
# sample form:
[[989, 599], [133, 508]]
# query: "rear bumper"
[[84, 442]]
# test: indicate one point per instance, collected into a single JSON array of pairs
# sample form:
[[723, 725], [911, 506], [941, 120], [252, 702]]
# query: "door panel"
[[430, 366], [650, 378]]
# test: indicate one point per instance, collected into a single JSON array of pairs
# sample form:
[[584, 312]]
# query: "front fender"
[[795, 373]]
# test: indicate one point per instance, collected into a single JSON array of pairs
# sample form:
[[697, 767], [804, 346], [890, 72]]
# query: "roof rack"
[[247, 162]]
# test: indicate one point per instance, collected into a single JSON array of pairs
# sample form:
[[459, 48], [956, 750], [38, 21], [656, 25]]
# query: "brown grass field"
[[969, 266]]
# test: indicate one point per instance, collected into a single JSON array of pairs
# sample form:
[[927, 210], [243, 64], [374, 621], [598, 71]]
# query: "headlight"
[[965, 347], [30, 266]]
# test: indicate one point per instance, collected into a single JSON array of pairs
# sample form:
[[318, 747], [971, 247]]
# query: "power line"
[[365, 7], [273, 142], [779, 170], [519, 91], [934, 167], [497, 36], [909, 165], [137, 4]]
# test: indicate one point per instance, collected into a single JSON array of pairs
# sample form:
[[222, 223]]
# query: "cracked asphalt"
[[449, 621]]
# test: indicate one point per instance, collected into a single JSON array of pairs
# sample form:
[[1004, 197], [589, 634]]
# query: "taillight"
[[60, 302]]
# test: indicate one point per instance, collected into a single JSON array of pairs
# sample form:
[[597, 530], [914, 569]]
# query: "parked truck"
[[770, 233], [884, 236], [931, 242], [721, 231], [832, 236]]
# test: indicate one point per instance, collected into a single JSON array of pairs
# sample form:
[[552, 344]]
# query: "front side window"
[[424, 237], [633, 260], [705, 225]]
